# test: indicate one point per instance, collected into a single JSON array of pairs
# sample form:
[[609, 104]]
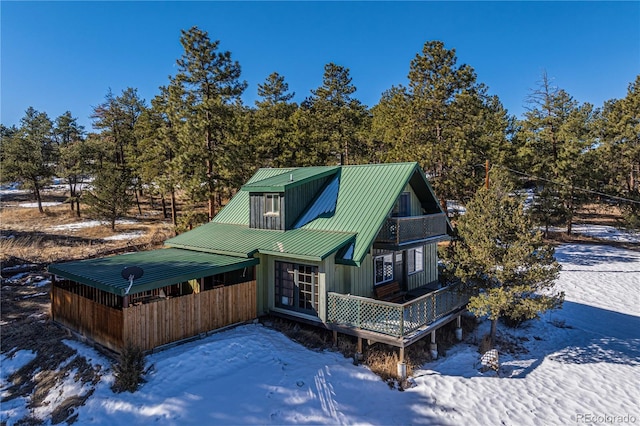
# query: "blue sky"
[[58, 56]]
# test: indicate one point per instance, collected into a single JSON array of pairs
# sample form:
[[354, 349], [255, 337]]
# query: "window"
[[384, 268], [272, 204], [296, 287], [415, 260]]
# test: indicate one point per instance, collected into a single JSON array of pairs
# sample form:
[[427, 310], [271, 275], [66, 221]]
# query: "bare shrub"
[[384, 363]]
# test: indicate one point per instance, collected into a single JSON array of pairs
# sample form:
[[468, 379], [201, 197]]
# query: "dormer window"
[[272, 204]]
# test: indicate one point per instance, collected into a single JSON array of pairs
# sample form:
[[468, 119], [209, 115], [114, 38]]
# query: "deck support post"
[[335, 338], [458, 328], [402, 366], [358, 357], [433, 347]]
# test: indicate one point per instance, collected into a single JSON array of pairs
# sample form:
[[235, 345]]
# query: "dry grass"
[[33, 237], [381, 359]]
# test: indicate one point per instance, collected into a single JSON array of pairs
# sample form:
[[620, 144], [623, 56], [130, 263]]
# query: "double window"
[[383, 268], [272, 204], [296, 287], [415, 260]]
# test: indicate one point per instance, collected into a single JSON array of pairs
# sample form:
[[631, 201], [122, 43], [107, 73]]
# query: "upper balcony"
[[403, 230]]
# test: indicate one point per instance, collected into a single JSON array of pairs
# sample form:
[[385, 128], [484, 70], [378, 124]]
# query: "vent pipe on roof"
[[290, 177]]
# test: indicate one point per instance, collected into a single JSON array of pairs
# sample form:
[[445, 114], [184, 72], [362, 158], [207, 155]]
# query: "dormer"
[[276, 202]]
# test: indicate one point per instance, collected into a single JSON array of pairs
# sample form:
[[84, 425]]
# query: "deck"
[[397, 324], [397, 231]]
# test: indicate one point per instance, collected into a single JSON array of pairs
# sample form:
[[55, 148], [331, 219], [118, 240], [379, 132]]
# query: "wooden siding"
[[257, 218], [293, 202], [430, 268], [362, 277], [299, 198], [154, 324], [91, 319], [416, 206]]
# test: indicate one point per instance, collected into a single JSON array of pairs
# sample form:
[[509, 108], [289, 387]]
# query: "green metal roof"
[[161, 268], [365, 198], [237, 209], [290, 179], [240, 240]]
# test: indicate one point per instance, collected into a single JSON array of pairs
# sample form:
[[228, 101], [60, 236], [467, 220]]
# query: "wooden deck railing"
[[397, 230], [394, 319]]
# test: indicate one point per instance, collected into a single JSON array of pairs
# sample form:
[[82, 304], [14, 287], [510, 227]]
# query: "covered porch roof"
[[161, 268]]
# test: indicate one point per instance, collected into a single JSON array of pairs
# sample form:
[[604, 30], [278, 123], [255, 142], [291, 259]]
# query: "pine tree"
[[212, 84], [73, 162], [29, 154], [157, 133], [555, 137], [110, 197], [331, 121], [619, 151], [500, 253], [273, 130], [445, 120]]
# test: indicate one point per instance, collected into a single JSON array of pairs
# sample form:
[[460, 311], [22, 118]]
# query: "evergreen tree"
[[619, 150], [110, 197], [500, 253], [157, 133], [28, 154], [330, 122], [445, 120], [116, 119], [212, 83], [272, 125], [555, 136], [73, 162]]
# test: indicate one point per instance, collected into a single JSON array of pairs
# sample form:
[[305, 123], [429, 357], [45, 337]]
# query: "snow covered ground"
[[579, 365], [89, 224], [602, 232]]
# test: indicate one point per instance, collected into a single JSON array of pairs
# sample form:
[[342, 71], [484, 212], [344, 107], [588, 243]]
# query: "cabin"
[[349, 248]]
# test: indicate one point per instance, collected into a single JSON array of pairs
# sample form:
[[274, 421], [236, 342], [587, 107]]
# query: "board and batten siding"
[[429, 273], [150, 325], [257, 217], [416, 206], [358, 280], [293, 202], [299, 198]]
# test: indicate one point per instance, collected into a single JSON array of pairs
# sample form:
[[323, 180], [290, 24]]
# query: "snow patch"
[[89, 224]]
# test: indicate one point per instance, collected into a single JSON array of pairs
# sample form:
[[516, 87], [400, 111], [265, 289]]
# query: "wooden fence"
[[154, 324], [91, 319]]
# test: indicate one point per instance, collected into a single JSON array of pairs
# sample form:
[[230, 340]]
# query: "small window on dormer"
[[272, 204]]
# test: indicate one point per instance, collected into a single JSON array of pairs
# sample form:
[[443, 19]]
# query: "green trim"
[[283, 181]]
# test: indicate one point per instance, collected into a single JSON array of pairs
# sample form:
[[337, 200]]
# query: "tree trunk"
[[492, 336], [174, 218], [78, 207], [71, 194], [138, 203], [164, 207], [36, 191]]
